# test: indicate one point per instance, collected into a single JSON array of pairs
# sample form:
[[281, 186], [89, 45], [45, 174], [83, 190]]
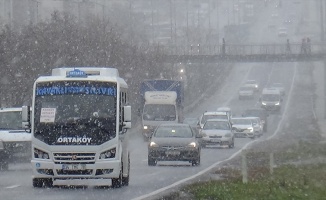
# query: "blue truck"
[[161, 102]]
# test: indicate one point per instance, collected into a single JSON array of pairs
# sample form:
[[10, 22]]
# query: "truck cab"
[[213, 115], [161, 103], [160, 108]]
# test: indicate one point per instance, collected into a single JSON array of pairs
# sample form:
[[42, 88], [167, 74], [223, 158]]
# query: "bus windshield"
[[75, 113]]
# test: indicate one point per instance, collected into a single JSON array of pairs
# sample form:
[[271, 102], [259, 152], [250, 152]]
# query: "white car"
[[252, 83], [279, 86], [246, 92], [257, 125], [14, 141], [217, 132], [282, 32], [225, 109], [213, 115], [243, 127]]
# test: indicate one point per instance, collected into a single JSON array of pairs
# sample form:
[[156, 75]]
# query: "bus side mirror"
[[26, 118], [127, 117]]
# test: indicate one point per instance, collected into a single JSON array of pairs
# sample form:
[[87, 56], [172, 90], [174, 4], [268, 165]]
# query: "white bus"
[[79, 121]]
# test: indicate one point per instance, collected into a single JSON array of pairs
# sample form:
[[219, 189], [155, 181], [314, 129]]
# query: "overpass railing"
[[242, 50]]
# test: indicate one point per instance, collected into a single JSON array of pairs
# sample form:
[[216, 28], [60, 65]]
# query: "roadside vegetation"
[[299, 173]]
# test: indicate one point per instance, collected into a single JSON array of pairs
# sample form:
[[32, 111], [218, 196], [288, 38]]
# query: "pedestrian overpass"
[[243, 53]]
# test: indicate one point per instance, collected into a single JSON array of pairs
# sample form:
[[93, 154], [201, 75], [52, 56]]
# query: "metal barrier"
[[247, 53]]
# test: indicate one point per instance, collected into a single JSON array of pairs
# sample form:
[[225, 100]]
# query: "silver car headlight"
[[263, 103], [153, 144], [192, 144], [145, 127], [251, 129], [278, 103]]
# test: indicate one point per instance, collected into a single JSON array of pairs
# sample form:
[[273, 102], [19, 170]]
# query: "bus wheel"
[[38, 182], [117, 182], [125, 180]]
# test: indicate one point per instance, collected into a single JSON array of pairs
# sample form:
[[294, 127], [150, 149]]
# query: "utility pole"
[[322, 21], [152, 15], [209, 21], [175, 23], [187, 5], [171, 22], [218, 23]]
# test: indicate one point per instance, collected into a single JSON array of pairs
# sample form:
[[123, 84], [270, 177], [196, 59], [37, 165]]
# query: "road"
[[17, 184]]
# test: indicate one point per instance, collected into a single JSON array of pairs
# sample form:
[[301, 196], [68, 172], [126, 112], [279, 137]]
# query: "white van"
[[212, 115], [15, 142], [271, 99], [225, 109]]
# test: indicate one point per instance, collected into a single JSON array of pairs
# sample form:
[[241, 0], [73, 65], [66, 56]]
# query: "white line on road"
[[13, 186], [286, 105]]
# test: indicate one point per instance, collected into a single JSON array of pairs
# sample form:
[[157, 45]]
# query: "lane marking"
[[13, 186], [232, 156]]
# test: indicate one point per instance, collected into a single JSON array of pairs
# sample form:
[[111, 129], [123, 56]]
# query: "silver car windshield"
[[217, 125]]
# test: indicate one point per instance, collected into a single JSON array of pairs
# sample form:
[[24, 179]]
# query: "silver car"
[[243, 127], [257, 125], [252, 83], [174, 142], [217, 132]]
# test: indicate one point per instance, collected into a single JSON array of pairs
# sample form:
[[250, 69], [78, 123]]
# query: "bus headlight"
[[40, 154], [108, 154]]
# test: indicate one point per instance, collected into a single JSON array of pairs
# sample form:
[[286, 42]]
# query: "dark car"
[[174, 142], [256, 112]]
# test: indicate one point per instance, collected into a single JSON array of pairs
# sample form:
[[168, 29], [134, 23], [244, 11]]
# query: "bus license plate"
[[74, 167]]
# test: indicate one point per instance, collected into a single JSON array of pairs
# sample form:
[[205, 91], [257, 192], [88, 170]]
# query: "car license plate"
[[172, 153], [216, 140], [74, 167]]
